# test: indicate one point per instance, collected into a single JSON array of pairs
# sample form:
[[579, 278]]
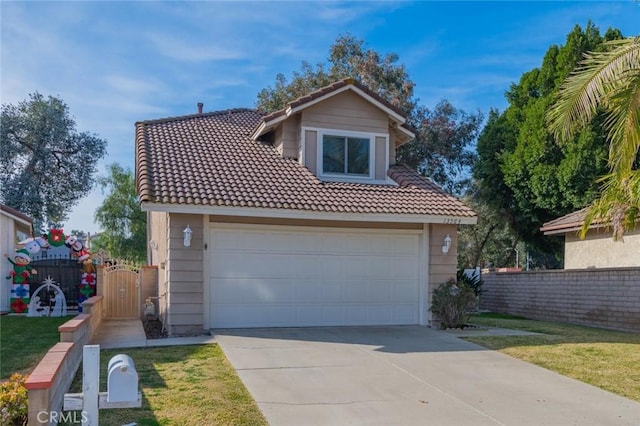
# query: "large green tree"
[[607, 82], [442, 149], [489, 243], [123, 223], [46, 165], [522, 173]]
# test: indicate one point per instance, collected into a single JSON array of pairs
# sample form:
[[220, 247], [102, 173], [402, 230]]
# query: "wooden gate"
[[122, 290]]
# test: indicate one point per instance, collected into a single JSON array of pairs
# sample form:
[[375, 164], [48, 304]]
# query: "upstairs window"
[[346, 155]]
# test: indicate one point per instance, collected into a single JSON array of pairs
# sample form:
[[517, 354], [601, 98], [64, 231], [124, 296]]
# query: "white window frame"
[[343, 177]]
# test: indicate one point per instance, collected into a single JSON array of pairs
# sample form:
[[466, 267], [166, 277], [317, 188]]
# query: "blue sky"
[[115, 63]]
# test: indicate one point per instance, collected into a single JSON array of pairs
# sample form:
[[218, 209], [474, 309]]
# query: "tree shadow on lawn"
[[550, 333], [180, 385]]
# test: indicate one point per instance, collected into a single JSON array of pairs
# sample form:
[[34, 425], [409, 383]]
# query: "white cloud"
[[190, 50]]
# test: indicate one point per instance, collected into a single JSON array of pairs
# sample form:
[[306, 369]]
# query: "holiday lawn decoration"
[[21, 274], [56, 237], [48, 301], [87, 284]]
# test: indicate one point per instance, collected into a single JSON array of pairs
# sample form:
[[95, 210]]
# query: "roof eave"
[[304, 214], [16, 215]]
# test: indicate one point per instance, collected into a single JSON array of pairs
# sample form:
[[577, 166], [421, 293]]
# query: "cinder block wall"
[[608, 298]]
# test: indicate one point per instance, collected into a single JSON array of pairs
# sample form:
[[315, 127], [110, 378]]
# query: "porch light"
[[447, 244], [187, 236]]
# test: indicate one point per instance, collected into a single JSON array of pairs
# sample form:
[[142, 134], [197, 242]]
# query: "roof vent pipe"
[[200, 105]]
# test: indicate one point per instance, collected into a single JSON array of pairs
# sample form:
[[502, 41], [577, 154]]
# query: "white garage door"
[[269, 276]]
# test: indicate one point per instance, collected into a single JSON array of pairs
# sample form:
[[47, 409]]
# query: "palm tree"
[[607, 82]]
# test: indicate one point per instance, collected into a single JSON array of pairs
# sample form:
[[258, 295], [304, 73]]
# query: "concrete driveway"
[[406, 376]]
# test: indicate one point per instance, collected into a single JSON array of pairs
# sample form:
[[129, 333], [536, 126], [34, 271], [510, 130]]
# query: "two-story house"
[[296, 218]]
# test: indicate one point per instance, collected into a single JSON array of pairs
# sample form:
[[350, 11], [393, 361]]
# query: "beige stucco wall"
[[392, 148], [346, 111], [158, 233], [380, 170], [291, 137], [148, 286], [184, 273], [311, 150], [442, 266], [599, 250]]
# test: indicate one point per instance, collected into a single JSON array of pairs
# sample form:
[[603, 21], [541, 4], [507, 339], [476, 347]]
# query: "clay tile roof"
[[569, 223], [210, 160]]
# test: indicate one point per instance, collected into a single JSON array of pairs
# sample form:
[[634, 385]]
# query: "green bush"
[[474, 282], [453, 304], [13, 401]]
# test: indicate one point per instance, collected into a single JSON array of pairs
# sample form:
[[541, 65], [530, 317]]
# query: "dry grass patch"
[[182, 385], [607, 359]]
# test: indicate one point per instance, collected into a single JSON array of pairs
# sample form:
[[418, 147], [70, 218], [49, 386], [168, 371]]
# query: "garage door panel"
[[225, 240], [308, 291], [333, 314], [333, 267], [405, 268], [297, 277], [332, 291], [382, 314], [382, 267], [357, 290], [358, 315], [380, 291], [403, 246], [405, 314], [306, 266], [308, 315]]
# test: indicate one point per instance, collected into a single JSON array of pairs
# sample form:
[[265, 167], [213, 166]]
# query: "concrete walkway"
[[127, 333], [406, 375]]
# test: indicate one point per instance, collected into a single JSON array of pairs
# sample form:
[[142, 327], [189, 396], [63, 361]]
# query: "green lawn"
[[606, 359], [24, 341], [182, 385]]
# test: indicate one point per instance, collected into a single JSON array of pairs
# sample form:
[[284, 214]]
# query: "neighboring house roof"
[[270, 120], [567, 223], [210, 160], [21, 217]]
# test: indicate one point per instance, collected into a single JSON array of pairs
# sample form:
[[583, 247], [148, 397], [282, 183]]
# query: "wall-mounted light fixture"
[[187, 236], [447, 244]]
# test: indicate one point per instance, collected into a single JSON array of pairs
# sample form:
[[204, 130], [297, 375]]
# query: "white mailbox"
[[122, 379]]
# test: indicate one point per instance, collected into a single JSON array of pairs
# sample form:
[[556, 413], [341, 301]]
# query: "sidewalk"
[[129, 333]]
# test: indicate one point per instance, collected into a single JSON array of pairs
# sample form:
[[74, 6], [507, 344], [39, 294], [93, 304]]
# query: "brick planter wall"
[[51, 378], [608, 298]]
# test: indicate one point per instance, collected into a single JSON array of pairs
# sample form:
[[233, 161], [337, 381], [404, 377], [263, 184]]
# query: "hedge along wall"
[[608, 298]]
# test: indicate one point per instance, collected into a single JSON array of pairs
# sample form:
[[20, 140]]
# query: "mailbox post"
[[122, 386]]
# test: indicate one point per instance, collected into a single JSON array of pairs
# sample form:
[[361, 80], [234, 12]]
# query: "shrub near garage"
[[13, 401], [453, 303]]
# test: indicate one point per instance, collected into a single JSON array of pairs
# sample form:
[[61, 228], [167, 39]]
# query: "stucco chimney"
[[200, 105]]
